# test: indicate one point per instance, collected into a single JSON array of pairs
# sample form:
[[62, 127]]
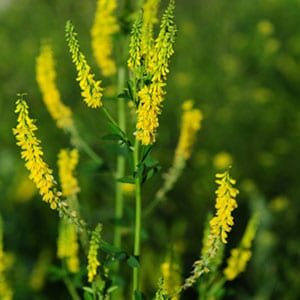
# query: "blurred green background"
[[240, 61]]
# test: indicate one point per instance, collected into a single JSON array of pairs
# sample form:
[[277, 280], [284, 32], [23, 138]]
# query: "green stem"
[[120, 172], [138, 215], [79, 143], [109, 117], [71, 289]]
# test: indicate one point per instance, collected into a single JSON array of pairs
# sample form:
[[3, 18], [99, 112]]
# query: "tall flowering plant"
[[141, 80]]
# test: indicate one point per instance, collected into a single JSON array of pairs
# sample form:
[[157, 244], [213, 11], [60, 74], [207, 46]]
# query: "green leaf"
[[108, 248], [112, 288], [133, 262], [120, 256], [112, 137], [87, 296], [126, 179], [146, 151], [88, 290]]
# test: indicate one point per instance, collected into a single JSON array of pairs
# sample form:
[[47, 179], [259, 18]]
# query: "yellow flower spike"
[[239, 258], [135, 55], [91, 91], [67, 162], [221, 224], [93, 262], [190, 125], [105, 25], [67, 245], [152, 96], [45, 76], [150, 9], [32, 154]]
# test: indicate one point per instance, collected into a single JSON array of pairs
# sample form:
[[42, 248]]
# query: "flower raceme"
[[93, 262], [67, 245], [135, 55], [32, 153], [45, 76], [67, 162], [105, 25], [152, 94], [238, 260], [150, 9], [91, 91], [190, 125], [221, 224]]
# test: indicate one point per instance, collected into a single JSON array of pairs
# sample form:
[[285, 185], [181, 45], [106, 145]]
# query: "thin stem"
[[79, 143], [109, 117], [120, 172], [138, 215], [71, 289]]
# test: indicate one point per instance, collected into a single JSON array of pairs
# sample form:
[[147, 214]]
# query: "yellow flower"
[[91, 90], [67, 245], [67, 162], [135, 55], [45, 76], [221, 224], [32, 153], [150, 9], [151, 96], [240, 256], [93, 262], [148, 111], [190, 125], [105, 25], [222, 160]]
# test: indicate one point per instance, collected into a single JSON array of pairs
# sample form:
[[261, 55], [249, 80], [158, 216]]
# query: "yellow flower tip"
[[190, 125], [67, 162], [45, 76], [91, 91], [222, 160], [104, 27], [93, 262], [135, 55], [222, 222], [32, 153], [150, 9]]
